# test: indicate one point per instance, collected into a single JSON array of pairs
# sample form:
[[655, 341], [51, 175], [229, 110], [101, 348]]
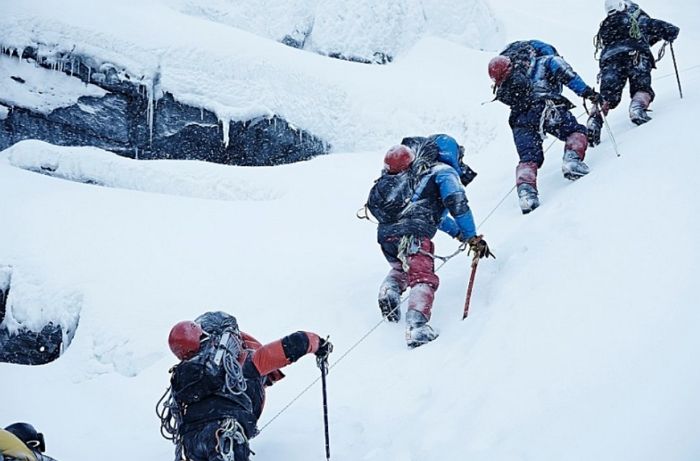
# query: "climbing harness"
[[229, 435], [550, 115]]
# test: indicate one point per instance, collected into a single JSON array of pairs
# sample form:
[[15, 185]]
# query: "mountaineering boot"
[[573, 167], [528, 198], [390, 293], [418, 332], [389, 303], [417, 336], [639, 106], [594, 125], [526, 180], [574, 153]]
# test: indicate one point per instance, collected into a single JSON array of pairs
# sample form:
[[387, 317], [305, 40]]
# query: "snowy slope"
[[581, 340]]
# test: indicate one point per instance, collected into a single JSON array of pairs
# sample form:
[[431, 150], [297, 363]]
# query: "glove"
[[325, 347], [674, 34], [479, 247], [592, 95]]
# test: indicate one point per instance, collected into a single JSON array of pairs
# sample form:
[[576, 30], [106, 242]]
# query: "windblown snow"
[[582, 336]]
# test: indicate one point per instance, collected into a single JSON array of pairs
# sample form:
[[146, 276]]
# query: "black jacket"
[[632, 30]]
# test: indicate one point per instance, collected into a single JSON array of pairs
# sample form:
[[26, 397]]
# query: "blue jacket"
[[439, 200], [549, 74], [541, 78]]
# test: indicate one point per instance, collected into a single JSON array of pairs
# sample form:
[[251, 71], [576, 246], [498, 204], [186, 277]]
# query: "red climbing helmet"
[[499, 69], [398, 159], [184, 339]]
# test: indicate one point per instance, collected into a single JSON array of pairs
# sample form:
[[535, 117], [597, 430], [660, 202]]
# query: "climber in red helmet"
[[217, 391]]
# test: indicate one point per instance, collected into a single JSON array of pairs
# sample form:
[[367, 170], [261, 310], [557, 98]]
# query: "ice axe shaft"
[[475, 264], [324, 371]]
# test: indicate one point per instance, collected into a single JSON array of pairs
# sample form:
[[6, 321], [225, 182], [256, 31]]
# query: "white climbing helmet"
[[616, 5]]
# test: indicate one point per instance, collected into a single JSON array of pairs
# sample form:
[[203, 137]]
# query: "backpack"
[[517, 89], [214, 371], [391, 194]]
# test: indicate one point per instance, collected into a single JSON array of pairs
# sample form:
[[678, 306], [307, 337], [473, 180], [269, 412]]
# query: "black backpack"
[[214, 371], [392, 193], [516, 91]]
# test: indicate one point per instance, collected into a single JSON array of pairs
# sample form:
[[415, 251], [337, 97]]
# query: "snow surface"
[[582, 337], [187, 178], [357, 28]]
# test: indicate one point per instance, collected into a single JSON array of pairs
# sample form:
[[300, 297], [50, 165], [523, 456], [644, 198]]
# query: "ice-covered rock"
[[37, 322], [113, 110]]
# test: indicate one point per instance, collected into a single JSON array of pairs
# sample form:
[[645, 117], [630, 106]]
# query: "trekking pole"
[[675, 66], [324, 369], [607, 128], [475, 263]]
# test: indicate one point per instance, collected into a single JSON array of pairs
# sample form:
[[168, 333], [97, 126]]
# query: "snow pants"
[[528, 129], [210, 441], [615, 72], [412, 266]]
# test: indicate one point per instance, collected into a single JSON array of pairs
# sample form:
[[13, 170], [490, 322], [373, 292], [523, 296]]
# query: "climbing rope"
[[461, 248], [444, 260]]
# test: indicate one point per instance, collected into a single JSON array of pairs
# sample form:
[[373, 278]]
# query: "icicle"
[[201, 113], [225, 128], [89, 74], [150, 94]]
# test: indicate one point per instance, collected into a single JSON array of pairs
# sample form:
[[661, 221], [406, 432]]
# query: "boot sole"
[[530, 210], [574, 176], [415, 344], [640, 121]]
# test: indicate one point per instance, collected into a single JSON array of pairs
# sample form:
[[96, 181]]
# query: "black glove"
[[325, 347], [592, 95], [674, 34], [479, 247]]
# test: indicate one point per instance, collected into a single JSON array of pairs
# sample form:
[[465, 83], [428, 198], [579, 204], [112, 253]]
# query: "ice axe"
[[323, 365], [470, 287]]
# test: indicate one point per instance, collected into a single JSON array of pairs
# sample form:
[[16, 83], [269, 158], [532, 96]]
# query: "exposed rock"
[[26, 347], [39, 344]]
